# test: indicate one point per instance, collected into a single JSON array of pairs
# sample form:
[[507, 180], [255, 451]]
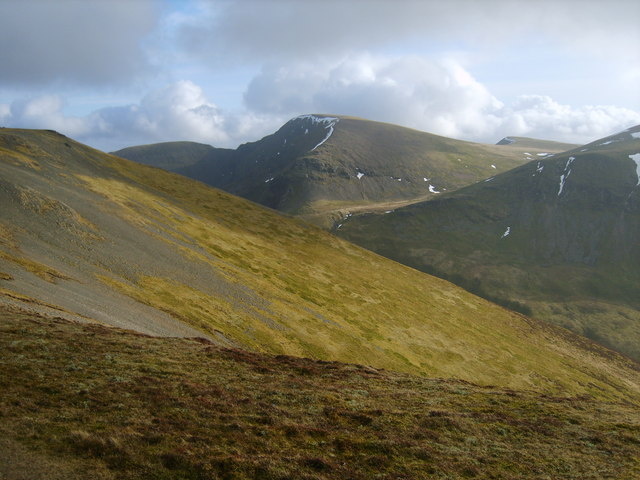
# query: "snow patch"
[[432, 189], [388, 211], [506, 232], [359, 175], [489, 179], [545, 154], [565, 175], [539, 168], [268, 180], [636, 158], [493, 166], [328, 122], [425, 179]]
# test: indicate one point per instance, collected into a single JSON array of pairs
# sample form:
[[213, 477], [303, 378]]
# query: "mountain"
[[83, 401], [537, 144], [324, 168], [173, 155], [556, 238], [92, 237]]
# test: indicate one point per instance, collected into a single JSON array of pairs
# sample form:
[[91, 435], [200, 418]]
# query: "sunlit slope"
[[557, 237], [86, 402], [100, 236], [324, 167]]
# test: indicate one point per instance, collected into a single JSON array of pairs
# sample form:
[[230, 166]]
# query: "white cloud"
[[179, 111], [436, 96]]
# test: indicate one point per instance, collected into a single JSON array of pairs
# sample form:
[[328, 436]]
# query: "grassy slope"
[[86, 401], [570, 259], [170, 155], [286, 287], [321, 185]]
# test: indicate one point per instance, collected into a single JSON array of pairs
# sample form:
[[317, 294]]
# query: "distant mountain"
[[173, 155], [325, 168], [536, 144], [556, 238], [92, 237]]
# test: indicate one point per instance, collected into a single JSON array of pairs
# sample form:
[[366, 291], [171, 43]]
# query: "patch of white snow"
[[432, 189], [425, 179], [268, 180], [636, 158], [565, 175], [489, 179], [493, 166], [359, 175], [542, 154], [506, 232]]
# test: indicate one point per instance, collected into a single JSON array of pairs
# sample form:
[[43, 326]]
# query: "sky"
[[117, 73]]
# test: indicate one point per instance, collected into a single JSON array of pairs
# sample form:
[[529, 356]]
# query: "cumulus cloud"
[[75, 41], [436, 96], [178, 111]]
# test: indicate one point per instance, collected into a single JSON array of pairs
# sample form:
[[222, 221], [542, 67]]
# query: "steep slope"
[[88, 234], [98, 403], [557, 237], [325, 167]]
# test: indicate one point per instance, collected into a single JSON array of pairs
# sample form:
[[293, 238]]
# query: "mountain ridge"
[[323, 167]]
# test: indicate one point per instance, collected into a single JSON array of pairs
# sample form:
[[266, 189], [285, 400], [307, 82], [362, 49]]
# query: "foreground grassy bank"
[[98, 402]]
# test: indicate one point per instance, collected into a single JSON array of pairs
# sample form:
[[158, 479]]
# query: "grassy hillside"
[[556, 238], [86, 234], [324, 168], [82, 401], [173, 155]]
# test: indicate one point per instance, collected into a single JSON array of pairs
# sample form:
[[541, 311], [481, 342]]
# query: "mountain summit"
[[325, 167]]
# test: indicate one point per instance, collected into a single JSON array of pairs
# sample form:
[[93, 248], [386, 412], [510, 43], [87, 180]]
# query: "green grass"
[[115, 404], [570, 259], [254, 278]]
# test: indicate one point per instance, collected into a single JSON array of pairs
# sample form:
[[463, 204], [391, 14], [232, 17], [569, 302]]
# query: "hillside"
[[87, 402], [88, 235], [324, 168], [557, 238], [173, 155]]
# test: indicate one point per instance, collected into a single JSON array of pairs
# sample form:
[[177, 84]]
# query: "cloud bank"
[[436, 96]]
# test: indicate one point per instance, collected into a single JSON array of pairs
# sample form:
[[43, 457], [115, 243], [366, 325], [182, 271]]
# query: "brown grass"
[[140, 407]]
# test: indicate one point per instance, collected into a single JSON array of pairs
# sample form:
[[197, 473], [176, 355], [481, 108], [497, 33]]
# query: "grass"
[[250, 277], [388, 316], [127, 406], [569, 259]]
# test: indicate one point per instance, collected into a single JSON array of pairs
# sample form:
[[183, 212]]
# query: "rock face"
[[557, 236]]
